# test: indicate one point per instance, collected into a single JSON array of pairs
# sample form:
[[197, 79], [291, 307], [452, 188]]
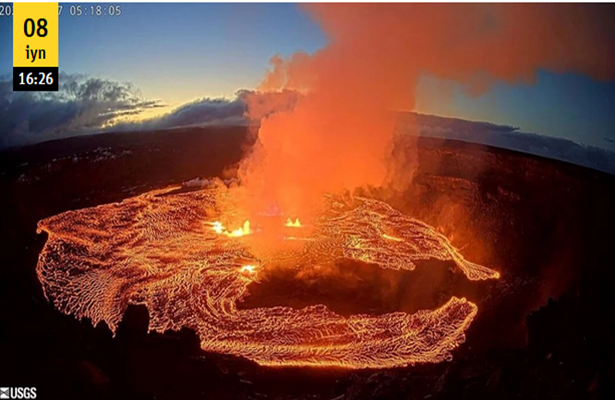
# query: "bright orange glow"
[[298, 238], [292, 224], [392, 238], [145, 250], [250, 269], [218, 227], [243, 231]]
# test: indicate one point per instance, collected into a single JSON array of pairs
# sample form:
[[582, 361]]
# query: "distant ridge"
[[508, 137], [485, 133]]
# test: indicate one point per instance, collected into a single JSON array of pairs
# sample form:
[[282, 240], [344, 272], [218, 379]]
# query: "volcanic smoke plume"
[[338, 135]]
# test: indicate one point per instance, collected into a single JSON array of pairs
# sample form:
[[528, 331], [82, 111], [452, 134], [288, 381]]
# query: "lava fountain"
[[172, 253]]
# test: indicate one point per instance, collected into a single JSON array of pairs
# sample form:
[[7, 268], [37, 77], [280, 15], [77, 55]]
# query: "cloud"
[[202, 112], [247, 107], [82, 105], [88, 105]]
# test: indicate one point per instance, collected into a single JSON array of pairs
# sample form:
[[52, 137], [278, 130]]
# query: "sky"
[[178, 53]]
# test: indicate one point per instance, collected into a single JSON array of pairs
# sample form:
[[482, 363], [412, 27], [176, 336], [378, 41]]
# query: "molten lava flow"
[[291, 224], [242, 231], [171, 253], [392, 238], [249, 269]]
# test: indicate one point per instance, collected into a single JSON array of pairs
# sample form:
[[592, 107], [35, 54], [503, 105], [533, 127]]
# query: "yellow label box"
[[35, 35]]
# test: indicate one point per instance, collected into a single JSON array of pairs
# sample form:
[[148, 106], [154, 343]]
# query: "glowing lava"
[[249, 269], [242, 231], [153, 250], [291, 224], [388, 237]]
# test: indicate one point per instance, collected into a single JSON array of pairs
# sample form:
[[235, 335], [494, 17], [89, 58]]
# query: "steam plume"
[[339, 134]]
